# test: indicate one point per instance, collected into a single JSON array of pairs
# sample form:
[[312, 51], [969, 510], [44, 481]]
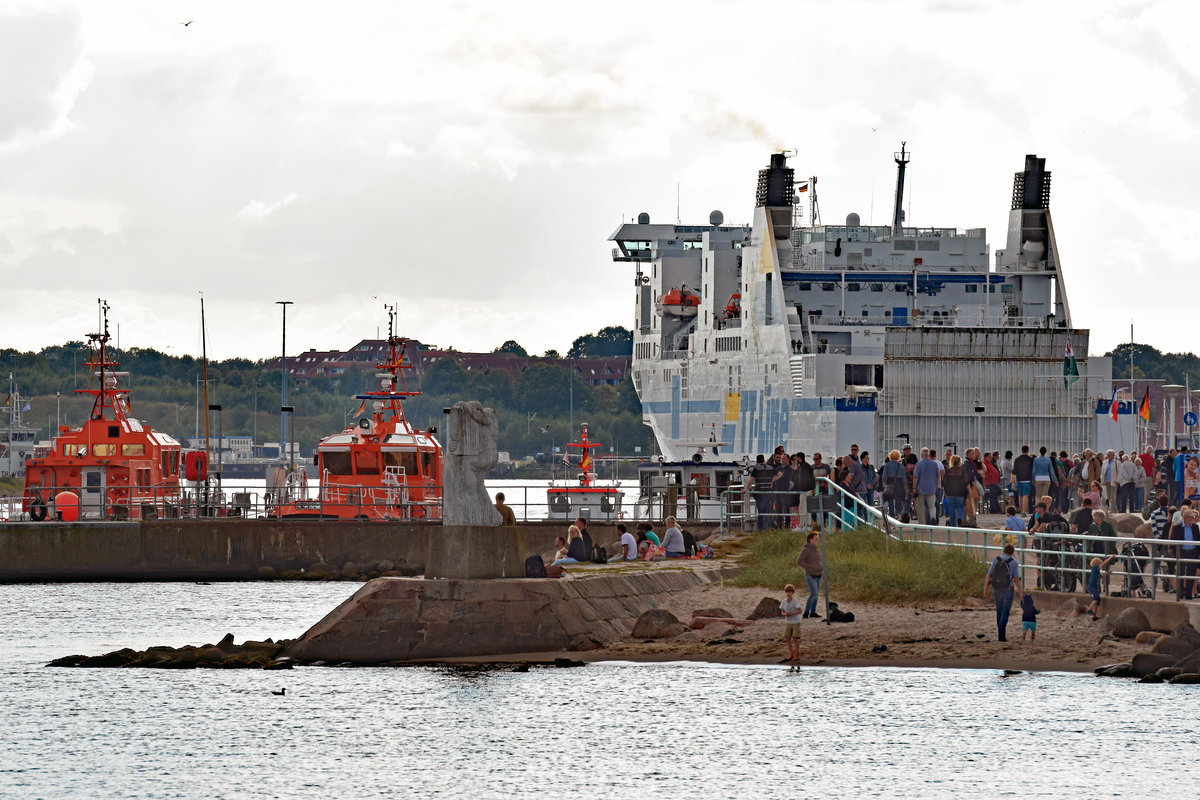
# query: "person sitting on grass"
[[789, 609], [576, 553], [673, 540]]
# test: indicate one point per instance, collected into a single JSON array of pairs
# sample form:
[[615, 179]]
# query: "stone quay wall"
[[396, 620], [233, 549]]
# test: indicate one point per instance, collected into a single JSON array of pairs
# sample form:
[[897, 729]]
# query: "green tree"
[[551, 353], [512, 347], [611, 342]]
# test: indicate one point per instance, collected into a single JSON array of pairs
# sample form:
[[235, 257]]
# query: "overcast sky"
[[468, 161]]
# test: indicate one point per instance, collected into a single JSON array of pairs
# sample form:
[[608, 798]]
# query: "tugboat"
[[584, 499], [380, 468], [111, 468]]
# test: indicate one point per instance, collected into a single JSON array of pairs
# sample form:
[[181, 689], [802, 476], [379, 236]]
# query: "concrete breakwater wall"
[[228, 549], [412, 619]]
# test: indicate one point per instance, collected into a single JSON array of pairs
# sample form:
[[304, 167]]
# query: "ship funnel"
[[775, 183]]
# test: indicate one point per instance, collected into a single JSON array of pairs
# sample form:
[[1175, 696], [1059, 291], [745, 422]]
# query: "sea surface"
[[608, 730]]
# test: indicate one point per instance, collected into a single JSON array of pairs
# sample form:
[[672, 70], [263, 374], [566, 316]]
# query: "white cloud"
[[256, 209]]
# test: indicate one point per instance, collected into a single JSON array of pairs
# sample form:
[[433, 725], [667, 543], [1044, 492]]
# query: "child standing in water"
[[1028, 617], [790, 610]]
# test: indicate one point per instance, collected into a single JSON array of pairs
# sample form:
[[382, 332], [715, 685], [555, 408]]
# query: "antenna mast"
[[898, 218]]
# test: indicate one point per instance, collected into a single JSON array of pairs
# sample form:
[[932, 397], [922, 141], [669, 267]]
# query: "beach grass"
[[860, 566]]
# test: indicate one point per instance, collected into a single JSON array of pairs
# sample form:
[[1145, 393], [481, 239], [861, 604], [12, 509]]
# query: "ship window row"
[[104, 449], [366, 462]]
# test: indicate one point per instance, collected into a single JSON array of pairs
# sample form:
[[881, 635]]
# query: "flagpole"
[[1134, 416]]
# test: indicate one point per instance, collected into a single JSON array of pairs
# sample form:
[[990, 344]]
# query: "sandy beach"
[[961, 635]]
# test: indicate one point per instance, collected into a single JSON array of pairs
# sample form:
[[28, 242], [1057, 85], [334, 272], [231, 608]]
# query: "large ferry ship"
[[821, 336]]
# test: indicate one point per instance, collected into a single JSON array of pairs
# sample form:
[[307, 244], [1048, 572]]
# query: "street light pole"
[[283, 420]]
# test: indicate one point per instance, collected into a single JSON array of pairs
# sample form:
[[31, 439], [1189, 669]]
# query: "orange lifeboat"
[[680, 303], [116, 467], [381, 467]]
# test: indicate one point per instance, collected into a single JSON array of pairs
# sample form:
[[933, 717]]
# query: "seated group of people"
[[577, 546]]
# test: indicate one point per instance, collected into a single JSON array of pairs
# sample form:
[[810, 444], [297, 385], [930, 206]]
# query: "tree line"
[[533, 407]]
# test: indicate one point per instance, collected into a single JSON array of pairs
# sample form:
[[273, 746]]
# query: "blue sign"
[[1189, 418]]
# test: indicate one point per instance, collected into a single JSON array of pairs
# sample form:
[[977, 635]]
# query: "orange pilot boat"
[[380, 468], [586, 498], [113, 467]]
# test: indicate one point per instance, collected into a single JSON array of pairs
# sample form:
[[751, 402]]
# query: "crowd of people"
[[957, 488]]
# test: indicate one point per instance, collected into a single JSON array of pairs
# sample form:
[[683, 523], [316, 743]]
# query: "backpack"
[[999, 576], [599, 555], [535, 567]]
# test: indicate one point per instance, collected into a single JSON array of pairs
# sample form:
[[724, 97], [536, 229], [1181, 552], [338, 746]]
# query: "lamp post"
[[283, 420]]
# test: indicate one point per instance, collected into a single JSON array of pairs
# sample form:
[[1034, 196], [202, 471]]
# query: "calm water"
[[607, 730]]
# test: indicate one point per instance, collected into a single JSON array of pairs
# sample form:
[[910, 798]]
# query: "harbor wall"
[[231, 550], [395, 620]]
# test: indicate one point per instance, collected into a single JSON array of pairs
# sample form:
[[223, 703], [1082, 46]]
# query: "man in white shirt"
[[628, 543]]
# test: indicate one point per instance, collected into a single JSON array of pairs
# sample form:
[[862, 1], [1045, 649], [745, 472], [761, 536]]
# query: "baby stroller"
[[1134, 555], [1060, 560]]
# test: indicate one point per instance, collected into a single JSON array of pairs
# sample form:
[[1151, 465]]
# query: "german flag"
[[1144, 406]]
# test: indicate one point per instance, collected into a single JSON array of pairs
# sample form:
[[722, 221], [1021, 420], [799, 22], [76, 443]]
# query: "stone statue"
[[471, 450]]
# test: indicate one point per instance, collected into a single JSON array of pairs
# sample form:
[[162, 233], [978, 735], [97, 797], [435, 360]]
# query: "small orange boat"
[[113, 467], [380, 468]]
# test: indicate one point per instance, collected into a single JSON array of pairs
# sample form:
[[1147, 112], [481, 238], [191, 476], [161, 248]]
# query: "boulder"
[[1130, 623], [710, 612], [1122, 670], [1173, 646], [226, 644], [1187, 633], [702, 622], [1144, 531], [657, 623], [1126, 524], [1148, 637], [1190, 663], [1151, 679], [321, 569], [1150, 663], [1186, 677], [767, 608], [1166, 673], [1072, 607]]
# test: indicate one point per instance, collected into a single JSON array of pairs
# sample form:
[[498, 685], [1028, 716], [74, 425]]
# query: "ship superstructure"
[[822, 336]]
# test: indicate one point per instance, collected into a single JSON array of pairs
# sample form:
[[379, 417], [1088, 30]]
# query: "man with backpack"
[[1003, 581]]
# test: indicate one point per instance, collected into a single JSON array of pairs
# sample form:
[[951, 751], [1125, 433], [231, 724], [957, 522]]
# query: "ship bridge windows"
[[104, 450], [405, 459], [805, 286], [114, 431], [971, 288], [904, 244], [336, 462], [828, 286], [366, 462], [426, 463], [853, 287], [876, 287], [133, 449]]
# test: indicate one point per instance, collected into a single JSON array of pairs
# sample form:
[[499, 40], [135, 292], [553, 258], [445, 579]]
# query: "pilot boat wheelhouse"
[[117, 467], [585, 498], [381, 467]]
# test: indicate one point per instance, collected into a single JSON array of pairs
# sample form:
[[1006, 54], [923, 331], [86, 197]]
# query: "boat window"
[[805, 286], [104, 450], [427, 463], [366, 462], [70, 449], [405, 460], [399, 438], [133, 449], [336, 462], [725, 480], [340, 438]]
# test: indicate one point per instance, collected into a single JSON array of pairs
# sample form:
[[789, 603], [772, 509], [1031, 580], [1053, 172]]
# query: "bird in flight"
[[189, 22], [545, 428]]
